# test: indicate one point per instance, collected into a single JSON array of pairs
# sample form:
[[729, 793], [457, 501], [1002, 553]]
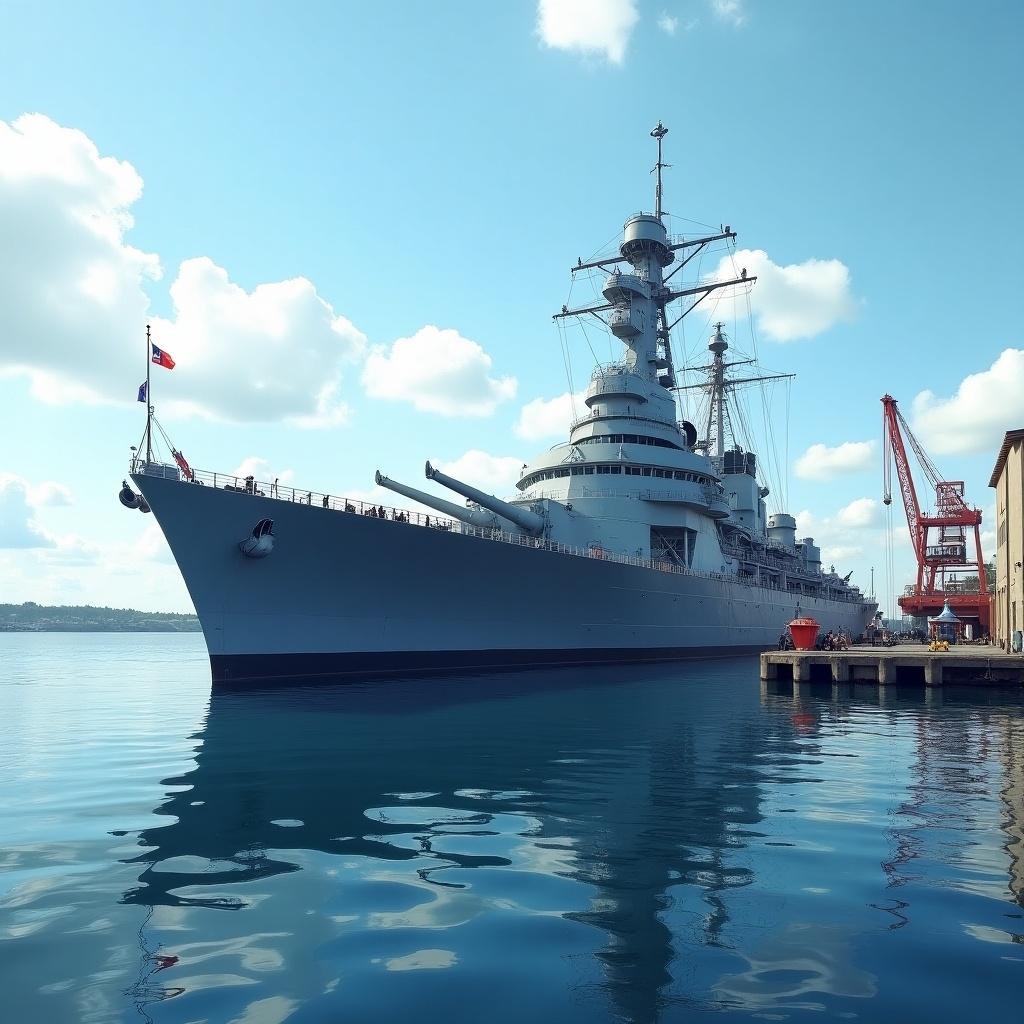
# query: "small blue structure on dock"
[[946, 625]]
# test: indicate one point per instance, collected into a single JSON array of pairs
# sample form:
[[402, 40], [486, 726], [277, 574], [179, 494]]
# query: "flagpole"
[[149, 405]]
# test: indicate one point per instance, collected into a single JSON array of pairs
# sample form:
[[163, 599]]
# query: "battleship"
[[639, 538]]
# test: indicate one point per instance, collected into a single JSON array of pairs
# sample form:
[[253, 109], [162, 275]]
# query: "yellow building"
[[1008, 481]]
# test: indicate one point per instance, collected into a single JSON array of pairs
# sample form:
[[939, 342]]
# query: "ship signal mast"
[[717, 386], [658, 133], [637, 308]]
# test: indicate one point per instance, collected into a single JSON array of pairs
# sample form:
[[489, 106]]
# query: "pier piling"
[[889, 666]]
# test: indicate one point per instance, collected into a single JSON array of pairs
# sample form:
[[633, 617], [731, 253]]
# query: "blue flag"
[[142, 391]]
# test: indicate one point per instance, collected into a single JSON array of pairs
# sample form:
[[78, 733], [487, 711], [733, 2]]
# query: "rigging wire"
[[586, 337], [564, 344], [781, 471], [789, 404], [890, 576]]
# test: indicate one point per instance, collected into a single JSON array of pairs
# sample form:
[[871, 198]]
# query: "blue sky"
[[428, 172]]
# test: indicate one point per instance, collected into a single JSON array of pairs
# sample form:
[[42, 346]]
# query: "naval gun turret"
[[522, 517], [470, 516]]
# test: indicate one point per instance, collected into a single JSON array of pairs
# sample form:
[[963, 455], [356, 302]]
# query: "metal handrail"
[[607, 369], [707, 499], [298, 495], [619, 384], [597, 417], [301, 496]]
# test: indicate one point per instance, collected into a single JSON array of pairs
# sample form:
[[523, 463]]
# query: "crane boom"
[[891, 423], [948, 553], [922, 456]]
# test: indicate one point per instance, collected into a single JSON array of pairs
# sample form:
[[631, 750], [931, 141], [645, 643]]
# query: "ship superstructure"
[[635, 539]]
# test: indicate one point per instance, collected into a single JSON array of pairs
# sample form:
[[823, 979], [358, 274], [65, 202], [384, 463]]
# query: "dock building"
[[1008, 480]]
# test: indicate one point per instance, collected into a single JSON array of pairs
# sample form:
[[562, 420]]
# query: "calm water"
[[630, 844]]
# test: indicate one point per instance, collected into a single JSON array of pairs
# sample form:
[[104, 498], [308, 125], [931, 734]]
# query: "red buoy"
[[804, 632]]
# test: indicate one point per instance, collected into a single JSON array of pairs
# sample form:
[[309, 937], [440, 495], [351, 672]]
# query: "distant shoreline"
[[97, 629], [36, 618]]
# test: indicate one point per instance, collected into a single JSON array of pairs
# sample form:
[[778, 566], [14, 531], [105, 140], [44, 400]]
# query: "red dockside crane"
[[952, 518]]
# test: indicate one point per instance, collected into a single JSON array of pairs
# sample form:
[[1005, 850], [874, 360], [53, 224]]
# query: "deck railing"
[[596, 417], [317, 499]]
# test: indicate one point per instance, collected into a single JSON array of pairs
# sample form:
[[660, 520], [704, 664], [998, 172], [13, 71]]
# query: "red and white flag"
[[162, 358]]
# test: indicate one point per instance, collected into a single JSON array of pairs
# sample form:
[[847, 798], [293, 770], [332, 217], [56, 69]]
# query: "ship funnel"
[[472, 517], [523, 518]]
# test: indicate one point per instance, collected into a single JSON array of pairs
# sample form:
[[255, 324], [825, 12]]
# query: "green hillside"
[[37, 618]]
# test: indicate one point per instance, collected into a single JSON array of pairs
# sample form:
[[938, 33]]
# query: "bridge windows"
[[658, 442], [655, 472]]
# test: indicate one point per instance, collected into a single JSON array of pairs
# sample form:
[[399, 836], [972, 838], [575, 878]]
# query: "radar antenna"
[[658, 133]]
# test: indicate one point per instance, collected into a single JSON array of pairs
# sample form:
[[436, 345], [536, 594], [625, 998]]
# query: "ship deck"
[[301, 496]]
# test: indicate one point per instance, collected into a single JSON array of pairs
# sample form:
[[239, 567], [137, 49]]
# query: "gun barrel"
[[522, 517], [472, 517]]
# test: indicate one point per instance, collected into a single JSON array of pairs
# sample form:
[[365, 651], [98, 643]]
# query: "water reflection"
[[795, 967], [550, 796], [621, 845], [610, 844], [1011, 794]]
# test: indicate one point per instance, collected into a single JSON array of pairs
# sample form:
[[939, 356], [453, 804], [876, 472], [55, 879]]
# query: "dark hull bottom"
[[246, 669]]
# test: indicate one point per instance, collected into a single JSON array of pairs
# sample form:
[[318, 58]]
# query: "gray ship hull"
[[346, 594]]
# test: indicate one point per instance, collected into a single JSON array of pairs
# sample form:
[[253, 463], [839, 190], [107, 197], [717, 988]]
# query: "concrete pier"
[[887, 666]]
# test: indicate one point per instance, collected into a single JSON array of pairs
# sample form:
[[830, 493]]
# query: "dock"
[[903, 664]]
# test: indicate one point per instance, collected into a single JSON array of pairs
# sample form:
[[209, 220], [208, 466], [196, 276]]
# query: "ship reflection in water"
[[611, 844]]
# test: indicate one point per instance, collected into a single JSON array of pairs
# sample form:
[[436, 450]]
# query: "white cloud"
[[839, 541], [152, 545], [838, 554], [859, 513], [137, 570], [985, 405], [263, 471], [730, 11], [71, 551], [49, 492], [820, 462], [437, 370], [668, 24], [988, 544], [799, 300], [589, 26], [70, 286], [73, 307], [546, 418], [855, 537], [496, 474], [853, 531], [270, 354], [18, 525]]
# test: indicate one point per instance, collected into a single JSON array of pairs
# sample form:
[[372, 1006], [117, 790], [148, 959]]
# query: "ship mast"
[[718, 346], [717, 387], [636, 310], [658, 133]]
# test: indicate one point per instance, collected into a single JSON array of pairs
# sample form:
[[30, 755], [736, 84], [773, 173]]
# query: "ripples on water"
[[622, 844]]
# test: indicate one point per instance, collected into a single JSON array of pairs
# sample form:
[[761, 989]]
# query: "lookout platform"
[[906, 663]]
